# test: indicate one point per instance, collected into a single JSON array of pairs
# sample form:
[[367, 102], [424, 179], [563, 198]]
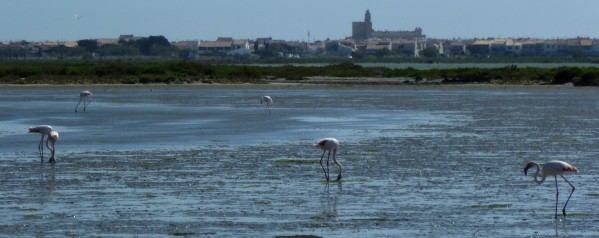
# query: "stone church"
[[363, 31]]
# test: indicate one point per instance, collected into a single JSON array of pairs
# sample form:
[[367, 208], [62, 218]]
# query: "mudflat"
[[211, 161]]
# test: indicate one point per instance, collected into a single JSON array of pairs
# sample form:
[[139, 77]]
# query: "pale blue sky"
[[36, 20]]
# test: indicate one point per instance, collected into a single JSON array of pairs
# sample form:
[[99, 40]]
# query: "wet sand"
[[210, 162]]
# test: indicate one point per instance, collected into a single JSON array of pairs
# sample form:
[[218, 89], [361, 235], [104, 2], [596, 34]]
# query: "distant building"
[[107, 41], [363, 31], [225, 46], [221, 47], [374, 46], [127, 38], [186, 45], [409, 48], [453, 48]]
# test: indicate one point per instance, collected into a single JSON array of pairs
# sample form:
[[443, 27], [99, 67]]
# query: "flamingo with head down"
[[553, 168], [84, 96], [268, 101], [44, 130], [328, 144], [52, 138]]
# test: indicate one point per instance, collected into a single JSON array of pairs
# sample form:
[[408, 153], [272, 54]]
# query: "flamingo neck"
[[337, 162], [537, 175]]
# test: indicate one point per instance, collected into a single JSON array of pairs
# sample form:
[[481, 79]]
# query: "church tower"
[[362, 30]]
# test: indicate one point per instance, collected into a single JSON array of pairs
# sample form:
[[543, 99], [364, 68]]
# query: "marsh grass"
[[491, 206], [561, 139], [28, 209], [297, 161], [298, 236], [182, 234], [580, 215], [32, 217], [333, 179], [370, 219], [180, 72], [147, 165], [379, 219], [150, 196]]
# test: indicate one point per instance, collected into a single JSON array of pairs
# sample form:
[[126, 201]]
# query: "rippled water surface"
[[211, 161]]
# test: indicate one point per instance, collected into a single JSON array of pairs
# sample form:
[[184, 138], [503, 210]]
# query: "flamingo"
[[44, 130], [267, 100], [52, 138], [328, 144], [84, 96], [553, 168]]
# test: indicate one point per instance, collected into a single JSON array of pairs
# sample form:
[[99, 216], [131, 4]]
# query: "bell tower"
[[362, 30]]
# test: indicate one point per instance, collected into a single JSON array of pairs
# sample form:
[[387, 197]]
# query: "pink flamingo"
[[44, 130], [52, 138], [267, 100], [553, 168], [84, 96], [328, 144]]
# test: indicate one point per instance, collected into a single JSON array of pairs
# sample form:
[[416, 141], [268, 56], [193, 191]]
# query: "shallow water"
[[211, 161]]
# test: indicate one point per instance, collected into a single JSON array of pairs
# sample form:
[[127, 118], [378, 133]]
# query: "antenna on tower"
[[308, 36]]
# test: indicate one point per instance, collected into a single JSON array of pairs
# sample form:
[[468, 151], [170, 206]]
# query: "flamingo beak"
[[528, 166]]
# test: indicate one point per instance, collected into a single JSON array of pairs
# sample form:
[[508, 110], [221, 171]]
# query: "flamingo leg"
[[267, 107], [78, 104], [85, 103], [40, 149], [89, 101], [573, 188], [325, 172], [556, 196], [51, 160], [328, 158], [338, 164]]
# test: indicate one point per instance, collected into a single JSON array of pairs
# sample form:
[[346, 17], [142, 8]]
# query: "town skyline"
[[68, 20]]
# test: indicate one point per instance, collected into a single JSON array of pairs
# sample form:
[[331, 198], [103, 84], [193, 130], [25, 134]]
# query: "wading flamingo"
[[553, 168], [267, 100], [52, 138], [44, 130], [84, 96], [328, 144]]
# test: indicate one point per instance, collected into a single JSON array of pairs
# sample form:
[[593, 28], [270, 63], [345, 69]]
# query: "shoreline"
[[311, 82]]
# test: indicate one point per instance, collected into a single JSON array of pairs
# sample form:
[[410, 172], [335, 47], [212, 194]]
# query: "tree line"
[[156, 46], [183, 71]]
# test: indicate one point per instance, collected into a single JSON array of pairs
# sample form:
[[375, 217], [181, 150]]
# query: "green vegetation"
[[580, 215], [491, 206], [181, 71], [297, 161], [182, 234]]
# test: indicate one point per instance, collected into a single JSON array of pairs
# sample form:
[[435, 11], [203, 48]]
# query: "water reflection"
[[47, 184], [328, 201], [563, 228]]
